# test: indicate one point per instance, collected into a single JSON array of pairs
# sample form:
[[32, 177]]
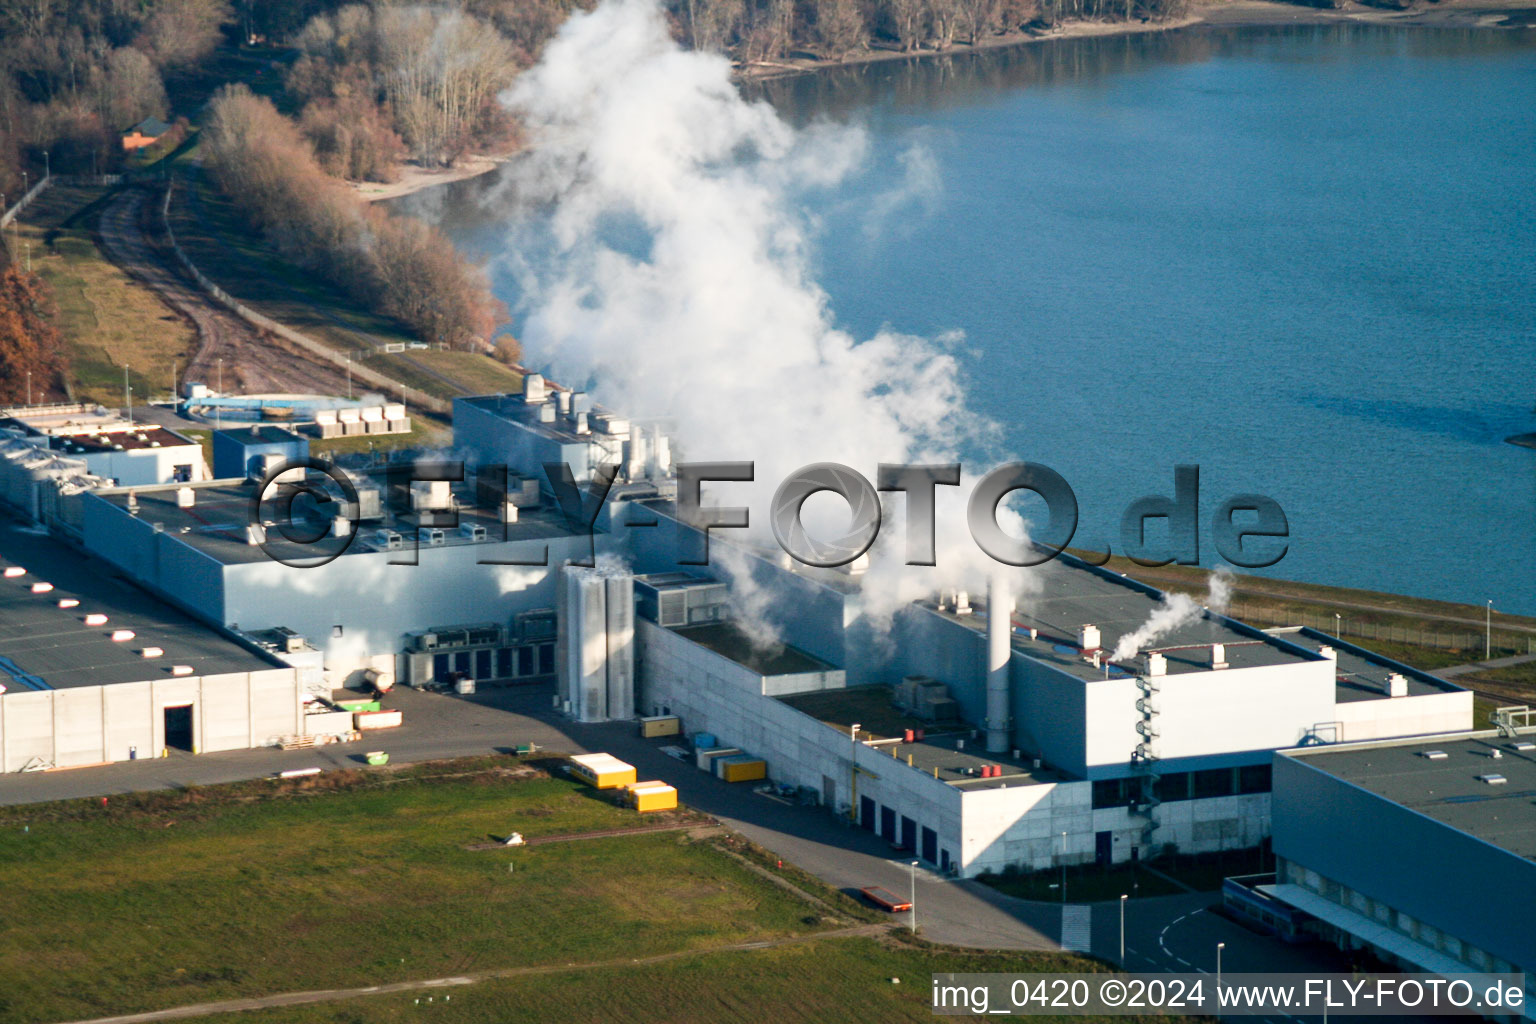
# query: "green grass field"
[[831, 981], [167, 899], [107, 318], [449, 374]]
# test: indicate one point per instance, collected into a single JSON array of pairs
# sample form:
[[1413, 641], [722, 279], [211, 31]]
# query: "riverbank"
[[1508, 14], [417, 179]]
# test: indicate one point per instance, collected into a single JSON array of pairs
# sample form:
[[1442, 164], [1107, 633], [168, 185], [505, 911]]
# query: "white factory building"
[[978, 734]]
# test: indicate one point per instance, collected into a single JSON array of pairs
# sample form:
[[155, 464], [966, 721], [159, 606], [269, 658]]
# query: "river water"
[[1301, 258]]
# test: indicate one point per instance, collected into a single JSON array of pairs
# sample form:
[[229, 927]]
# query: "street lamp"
[[1338, 624], [29, 387], [1219, 947], [1123, 898], [1488, 639], [913, 900]]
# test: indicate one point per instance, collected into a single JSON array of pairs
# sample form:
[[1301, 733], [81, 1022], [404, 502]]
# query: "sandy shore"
[[415, 179], [1493, 14]]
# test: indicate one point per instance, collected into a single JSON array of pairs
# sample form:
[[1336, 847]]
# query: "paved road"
[[1480, 666]]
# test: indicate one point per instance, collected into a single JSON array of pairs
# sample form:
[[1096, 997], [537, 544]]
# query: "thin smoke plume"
[[1173, 612], [671, 274]]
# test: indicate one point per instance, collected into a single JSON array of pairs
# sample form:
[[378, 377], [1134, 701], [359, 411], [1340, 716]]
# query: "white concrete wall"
[[1204, 713], [143, 467], [1418, 715], [93, 724]]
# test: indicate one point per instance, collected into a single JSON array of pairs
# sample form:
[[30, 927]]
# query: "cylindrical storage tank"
[[999, 651]]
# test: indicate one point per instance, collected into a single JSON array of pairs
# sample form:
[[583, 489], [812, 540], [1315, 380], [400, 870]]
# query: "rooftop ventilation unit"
[[95, 619], [435, 537], [152, 652], [181, 670], [1088, 637], [341, 526], [563, 402], [1328, 652], [508, 512], [1157, 665], [962, 603], [13, 571], [1434, 755], [1493, 778], [547, 413], [255, 534], [1523, 745], [388, 540], [185, 497], [474, 531], [1218, 656], [533, 388], [1397, 685], [579, 423]]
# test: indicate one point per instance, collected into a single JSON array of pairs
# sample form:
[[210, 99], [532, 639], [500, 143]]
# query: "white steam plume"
[[1174, 611], [674, 279]]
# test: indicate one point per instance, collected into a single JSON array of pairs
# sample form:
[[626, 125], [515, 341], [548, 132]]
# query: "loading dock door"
[[930, 846], [178, 727], [1103, 848], [908, 833], [888, 824], [867, 813]]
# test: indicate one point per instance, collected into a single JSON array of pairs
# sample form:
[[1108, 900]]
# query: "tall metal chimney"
[[999, 649]]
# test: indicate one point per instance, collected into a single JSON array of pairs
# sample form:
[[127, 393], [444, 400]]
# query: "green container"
[[358, 705], [377, 757]]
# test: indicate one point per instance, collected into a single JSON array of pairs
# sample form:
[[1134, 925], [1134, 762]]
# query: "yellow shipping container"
[[660, 725], [652, 796], [603, 771], [744, 771]]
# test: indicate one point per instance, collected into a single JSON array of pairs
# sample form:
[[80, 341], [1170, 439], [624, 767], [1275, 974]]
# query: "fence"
[[1345, 627], [405, 392]]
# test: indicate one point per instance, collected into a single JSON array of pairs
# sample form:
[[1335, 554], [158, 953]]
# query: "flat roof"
[[729, 640], [951, 753], [1362, 674], [1064, 594], [262, 434], [40, 639], [216, 522], [1448, 789], [513, 409]]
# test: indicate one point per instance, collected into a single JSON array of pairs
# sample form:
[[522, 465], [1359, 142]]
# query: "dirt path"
[[252, 360], [1480, 666], [458, 981]]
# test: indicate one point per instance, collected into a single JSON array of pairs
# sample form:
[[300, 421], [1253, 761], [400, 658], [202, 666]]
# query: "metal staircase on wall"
[[1144, 760]]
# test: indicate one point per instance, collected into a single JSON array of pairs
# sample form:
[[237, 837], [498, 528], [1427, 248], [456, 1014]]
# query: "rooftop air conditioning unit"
[[474, 531], [435, 537], [389, 540]]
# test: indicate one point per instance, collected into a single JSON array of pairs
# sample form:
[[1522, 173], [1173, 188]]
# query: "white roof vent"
[[1088, 637], [1523, 745], [1493, 778], [1434, 755], [1157, 665], [1397, 684]]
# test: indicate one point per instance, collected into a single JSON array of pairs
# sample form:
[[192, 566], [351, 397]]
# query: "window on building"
[[1212, 782], [1173, 786], [1111, 793], [546, 659], [181, 474], [1254, 778], [525, 661]]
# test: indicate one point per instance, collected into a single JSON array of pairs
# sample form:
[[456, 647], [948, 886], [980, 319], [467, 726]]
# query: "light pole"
[[1338, 624], [1123, 898], [1219, 947], [29, 387], [1487, 642], [349, 376], [127, 397], [913, 912], [1063, 867], [47, 166], [218, 410]]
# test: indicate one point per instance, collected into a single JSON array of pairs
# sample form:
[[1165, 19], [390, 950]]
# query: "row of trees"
[[417, 77], [758, 30], [30, 348], [75, 73], [399, 266]]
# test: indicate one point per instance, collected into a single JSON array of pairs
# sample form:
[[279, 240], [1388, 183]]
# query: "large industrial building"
[[977, 733], [93, 670], [1368, 836]]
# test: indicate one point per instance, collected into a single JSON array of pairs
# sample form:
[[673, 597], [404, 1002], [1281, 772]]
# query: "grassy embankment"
[[107, 317], [217, 238]]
